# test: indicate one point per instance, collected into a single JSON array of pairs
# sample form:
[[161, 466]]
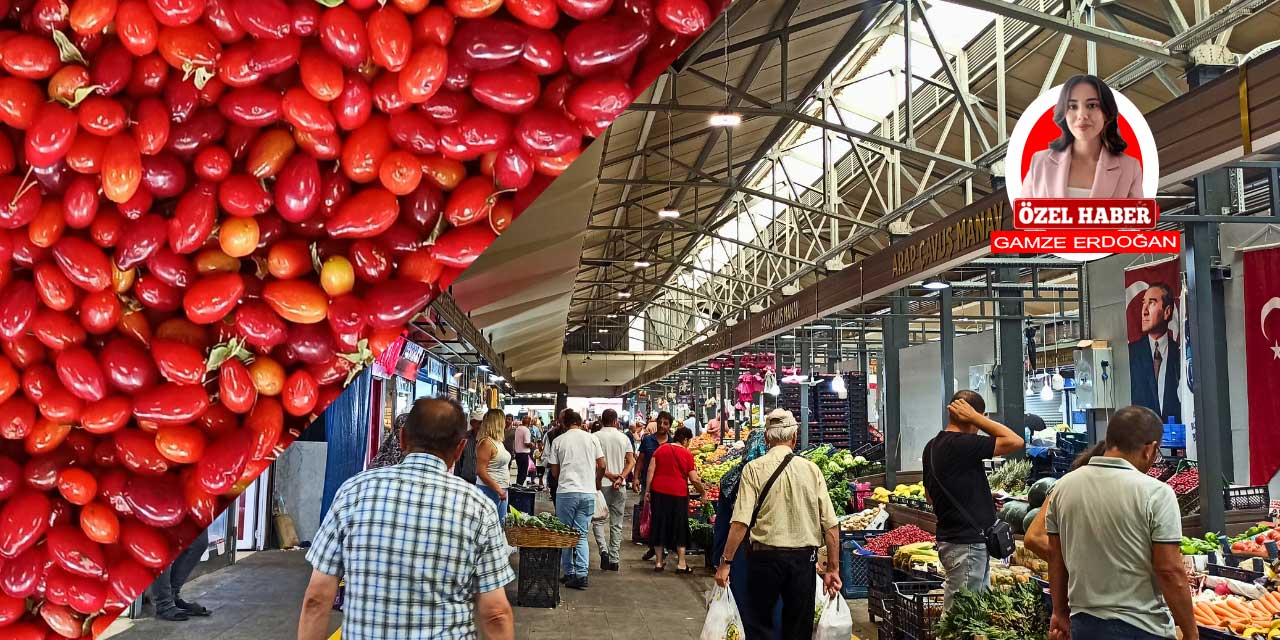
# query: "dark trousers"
[[1084, 625], [522, 468], [780, 574], [164, 591]]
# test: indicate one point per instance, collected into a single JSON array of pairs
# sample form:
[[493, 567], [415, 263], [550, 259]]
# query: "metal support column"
[[1009, 356], [806, 366], [1208, 340], [947, 348], [833, 352], [894, 331]]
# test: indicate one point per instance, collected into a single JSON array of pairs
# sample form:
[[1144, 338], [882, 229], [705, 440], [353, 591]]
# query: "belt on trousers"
[[760, 546]]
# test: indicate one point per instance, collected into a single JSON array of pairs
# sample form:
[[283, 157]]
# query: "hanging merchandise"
[[771, 384]]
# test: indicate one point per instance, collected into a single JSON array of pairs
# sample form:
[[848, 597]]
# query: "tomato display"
[[214, 213]]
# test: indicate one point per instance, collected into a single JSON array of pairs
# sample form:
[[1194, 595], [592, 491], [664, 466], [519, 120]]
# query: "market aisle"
[[634, 603], [258, 598]]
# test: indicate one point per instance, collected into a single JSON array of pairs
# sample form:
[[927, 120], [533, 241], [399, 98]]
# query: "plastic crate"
[[853, 572], [522, 499], [916, 609], [1236, 573], [1174, 436], [1189, 503], [1216, 634], [1247, 498], [1072, 444], [538, 584], [881, 575]]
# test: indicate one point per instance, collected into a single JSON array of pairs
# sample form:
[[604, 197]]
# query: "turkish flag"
[[1262, 360]]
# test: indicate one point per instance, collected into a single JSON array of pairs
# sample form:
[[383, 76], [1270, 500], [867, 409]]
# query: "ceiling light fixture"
[[611, 316], [724, 119], [624, 294], [787, 337], [669, 213], [643, 264], [935, 283], [602, 331]]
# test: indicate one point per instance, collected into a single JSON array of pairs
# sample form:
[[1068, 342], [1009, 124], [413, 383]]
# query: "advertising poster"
[[1152, 293], [1262, 360]]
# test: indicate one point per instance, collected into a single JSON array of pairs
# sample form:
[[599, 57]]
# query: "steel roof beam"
[[1132, 44], [814, 121]]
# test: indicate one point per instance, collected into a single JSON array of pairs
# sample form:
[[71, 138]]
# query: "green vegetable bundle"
[[1200, 546], [1017, 614], [545, 520]]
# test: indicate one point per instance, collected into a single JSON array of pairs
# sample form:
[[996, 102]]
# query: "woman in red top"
[[667, 490]]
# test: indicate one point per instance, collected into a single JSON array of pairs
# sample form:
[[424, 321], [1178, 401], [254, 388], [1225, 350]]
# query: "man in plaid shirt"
[[422, 551]]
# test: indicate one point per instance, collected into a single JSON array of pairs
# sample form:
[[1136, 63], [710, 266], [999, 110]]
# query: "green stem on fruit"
[[67, 50]]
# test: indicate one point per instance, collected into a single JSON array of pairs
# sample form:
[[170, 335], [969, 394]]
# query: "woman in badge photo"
[[1088, 159]]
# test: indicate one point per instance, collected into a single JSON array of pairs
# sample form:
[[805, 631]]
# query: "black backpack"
[[466, 467]]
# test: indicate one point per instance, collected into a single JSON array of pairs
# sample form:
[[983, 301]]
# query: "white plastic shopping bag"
[[723, 620], [602, 507], [836, 623]]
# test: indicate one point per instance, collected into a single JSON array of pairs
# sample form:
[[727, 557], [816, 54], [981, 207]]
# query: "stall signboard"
[[435, 369]]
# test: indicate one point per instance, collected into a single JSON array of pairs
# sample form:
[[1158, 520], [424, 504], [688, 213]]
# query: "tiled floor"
[[260, 598]]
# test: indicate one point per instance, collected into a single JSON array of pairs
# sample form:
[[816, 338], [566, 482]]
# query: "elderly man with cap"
[[466, 465], [784, 507]]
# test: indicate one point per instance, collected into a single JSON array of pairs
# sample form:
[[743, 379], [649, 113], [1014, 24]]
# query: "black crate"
[[1216, 634], [916, 610], [538, 584], [1247, 498], [881, 576], [1235, 573], [522, 499], [1072, 444]]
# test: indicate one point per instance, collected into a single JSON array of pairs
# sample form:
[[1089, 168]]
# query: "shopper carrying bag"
[[723, 620], [602, 507], [836, 622]]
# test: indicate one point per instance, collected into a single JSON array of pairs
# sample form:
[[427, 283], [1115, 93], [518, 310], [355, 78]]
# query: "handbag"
[[998, 537], [646, 520], [764, 493]]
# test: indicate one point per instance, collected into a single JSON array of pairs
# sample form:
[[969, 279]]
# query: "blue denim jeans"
[[1084, 625], [967, 566], [575, 510], [501, 503]]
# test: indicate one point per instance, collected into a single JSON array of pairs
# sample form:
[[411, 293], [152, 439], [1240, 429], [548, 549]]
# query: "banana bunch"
[[1269, 632], [919, 553], [910, 490]]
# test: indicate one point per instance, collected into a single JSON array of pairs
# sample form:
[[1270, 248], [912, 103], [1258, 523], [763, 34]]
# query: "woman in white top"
[[493, 461]]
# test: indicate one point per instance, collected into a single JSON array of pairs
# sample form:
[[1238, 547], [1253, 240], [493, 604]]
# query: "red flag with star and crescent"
[[1262, 360]]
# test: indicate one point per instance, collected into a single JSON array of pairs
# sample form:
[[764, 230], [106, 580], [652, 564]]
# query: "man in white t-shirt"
[[691, 422], [619, 458], [577, 463]]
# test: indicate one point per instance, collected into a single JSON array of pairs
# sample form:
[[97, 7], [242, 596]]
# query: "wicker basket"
[[540, 538]]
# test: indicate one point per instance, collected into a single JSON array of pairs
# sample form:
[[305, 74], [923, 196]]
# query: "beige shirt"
[[797, 510]]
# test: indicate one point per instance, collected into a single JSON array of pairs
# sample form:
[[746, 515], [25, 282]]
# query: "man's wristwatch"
[[724, 561]]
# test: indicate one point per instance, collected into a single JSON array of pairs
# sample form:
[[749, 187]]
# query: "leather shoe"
[[579, 583], [173, 615], [613, 566], [649, 555], [192, 608]]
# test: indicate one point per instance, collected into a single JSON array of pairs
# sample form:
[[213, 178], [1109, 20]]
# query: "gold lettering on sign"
[[958, 237], [786, 314]]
